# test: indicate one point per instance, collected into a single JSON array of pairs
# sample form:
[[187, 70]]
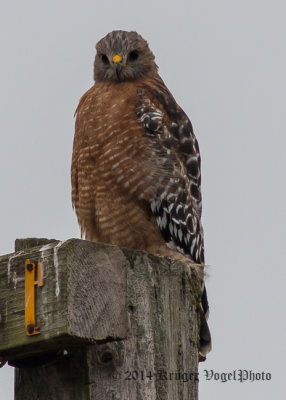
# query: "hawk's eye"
[[133, 55], [104, 59]]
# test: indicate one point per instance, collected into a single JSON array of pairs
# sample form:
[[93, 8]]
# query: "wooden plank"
[[138, 310], [81, 282], [162, 345]]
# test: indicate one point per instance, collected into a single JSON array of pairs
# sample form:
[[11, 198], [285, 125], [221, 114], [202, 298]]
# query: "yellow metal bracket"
[[30, 282]]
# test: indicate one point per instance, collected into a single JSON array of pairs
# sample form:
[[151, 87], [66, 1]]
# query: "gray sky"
[[224, 61]]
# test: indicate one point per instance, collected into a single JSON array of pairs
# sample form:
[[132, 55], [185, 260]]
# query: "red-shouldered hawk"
[[136, 179]]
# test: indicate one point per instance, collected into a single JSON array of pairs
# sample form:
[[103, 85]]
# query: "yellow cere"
[[117, 58]]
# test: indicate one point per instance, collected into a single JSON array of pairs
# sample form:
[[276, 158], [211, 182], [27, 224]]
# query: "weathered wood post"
[[113, 323]]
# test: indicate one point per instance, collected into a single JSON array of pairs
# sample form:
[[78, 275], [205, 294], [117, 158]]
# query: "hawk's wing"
[[177, 203]]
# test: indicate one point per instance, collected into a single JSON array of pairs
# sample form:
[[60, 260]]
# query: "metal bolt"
[[30, 328], [30, 267], [106, 357]]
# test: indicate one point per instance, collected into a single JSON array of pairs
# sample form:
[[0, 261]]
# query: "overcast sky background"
[[224, 61]]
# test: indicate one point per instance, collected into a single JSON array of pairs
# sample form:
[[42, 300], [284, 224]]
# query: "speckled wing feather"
[[177, 203]]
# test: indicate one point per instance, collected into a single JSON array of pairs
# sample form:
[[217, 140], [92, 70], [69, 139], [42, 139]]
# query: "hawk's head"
[[123, 56]]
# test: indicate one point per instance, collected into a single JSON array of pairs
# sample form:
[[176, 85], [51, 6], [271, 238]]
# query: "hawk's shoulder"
[[164, 121], [177, 204]]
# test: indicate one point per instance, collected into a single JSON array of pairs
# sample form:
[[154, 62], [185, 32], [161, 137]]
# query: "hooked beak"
[[117, 61], [118, 68]]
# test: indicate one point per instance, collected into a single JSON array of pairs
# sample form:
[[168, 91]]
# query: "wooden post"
[[114, 323]]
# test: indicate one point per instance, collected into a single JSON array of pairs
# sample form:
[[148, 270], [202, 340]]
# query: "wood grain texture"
[[83, 297], [139, 312], [162, 298]]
